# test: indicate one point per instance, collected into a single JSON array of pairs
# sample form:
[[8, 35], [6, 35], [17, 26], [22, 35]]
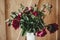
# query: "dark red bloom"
[[16, 21], [15, 24], [52, 27], [41, 33], [35, 13]]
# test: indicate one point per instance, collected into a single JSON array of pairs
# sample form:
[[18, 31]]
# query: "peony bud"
[[35, 13]]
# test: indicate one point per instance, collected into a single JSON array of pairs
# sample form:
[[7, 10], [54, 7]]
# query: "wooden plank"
[[59, 19], [2, 20]]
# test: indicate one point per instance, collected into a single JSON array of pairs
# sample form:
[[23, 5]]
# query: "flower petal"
[[52, 27], [41, 33], [35, 13], [15, 24]]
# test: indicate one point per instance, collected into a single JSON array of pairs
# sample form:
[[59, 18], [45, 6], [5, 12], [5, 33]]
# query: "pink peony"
[[41, 33], [29, 8]]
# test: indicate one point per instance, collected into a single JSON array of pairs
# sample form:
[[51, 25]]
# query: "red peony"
[[35, 13], [15, 24], [41, 33], [16, 21]]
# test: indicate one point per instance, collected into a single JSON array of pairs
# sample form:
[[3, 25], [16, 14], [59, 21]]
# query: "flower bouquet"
[[31, 21]]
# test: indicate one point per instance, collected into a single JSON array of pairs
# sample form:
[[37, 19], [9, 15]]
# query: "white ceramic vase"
[[30, 36]]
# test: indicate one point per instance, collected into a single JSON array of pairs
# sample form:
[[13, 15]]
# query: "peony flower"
[[15, 24], [52, 27], [16, 21], [35, 13], [41, 33]]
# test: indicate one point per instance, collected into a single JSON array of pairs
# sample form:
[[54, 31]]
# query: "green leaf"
[[14, 13], [22, 6], [19, 10], [40, 14], [23, 32]]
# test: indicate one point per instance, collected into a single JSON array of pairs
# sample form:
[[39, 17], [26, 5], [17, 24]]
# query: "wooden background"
[[7, 6], [2, 20]]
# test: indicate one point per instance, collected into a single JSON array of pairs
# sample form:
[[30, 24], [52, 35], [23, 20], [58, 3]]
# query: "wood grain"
[[59, 19], [2, 21]]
